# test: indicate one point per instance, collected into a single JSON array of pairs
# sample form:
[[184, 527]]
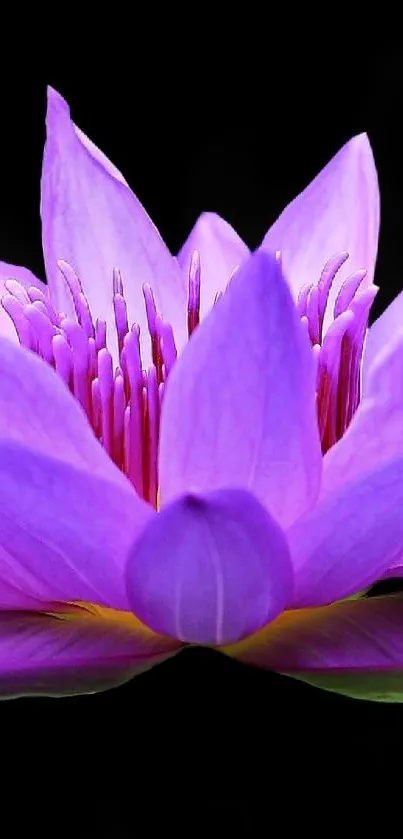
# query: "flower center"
[[123, 405]]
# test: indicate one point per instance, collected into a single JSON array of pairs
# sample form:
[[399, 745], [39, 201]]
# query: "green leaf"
[[381, 686]]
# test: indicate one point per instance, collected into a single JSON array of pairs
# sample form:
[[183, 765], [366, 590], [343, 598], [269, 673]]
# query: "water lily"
[[186, 453]]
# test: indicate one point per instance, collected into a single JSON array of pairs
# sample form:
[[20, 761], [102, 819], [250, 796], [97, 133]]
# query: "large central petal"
[[239, 408]]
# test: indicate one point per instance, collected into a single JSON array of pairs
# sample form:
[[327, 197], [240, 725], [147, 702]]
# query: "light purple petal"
[[221, 251], [64, 534], [37, 410], [210, 569], [77, 652], [98, 155], [338, 211], [27, 279], [350, 539], [375, 435], [14, 592], [385, 329], [239, 409], [394, 572], [352, 647], [92, 220]]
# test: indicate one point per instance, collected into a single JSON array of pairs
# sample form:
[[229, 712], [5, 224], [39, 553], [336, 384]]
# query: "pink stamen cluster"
[[123, 405], [339, 350]]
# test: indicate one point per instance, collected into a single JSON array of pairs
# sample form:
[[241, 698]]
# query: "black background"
[[207, 121]]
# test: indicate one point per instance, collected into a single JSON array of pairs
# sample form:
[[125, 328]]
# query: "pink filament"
[[340, 350], [123, 405]]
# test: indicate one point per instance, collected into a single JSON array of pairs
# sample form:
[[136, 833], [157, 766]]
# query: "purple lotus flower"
[[238, 489]]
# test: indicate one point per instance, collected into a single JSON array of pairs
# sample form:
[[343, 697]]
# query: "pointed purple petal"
[[221, 251], [210, 569], [375, 435], [37, 410], [64, 534], [92, 220], [239, 408], [352, 647], [338, 211], [26, 278], [77, 652], [350, 539], [386, 328]]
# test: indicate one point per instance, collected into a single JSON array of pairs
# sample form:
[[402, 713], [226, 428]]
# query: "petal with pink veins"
[[210, 569], [64, 533], [221, 251], [350, 539], [239, 408], [355, 647], [26, 278], [338, 211], [74, 652], [92, 220]]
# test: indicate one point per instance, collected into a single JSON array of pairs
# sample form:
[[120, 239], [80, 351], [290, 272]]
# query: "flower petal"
[[375, 435], [239, 408], [98, 155], [221, 251], [394, 572], [75, 652], [353, 647], [385, 329], [37, 409], [338, 211], [27, 279], [92, 220], [351, 537], [64, 534], [210, 569]]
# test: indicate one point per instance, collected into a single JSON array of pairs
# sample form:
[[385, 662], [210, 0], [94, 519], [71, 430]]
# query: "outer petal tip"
[[338, 211], [361, 141], [94, 222], [56, 105], [359, 146]]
